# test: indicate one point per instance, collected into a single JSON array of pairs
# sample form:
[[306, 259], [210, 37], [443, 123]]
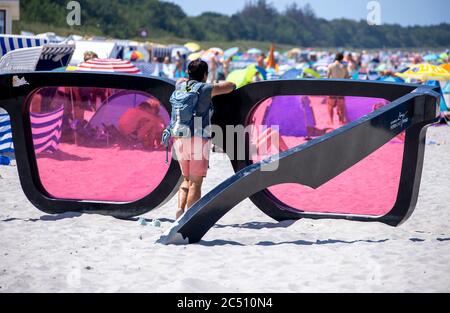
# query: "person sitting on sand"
[[144, 124], [90, 55]]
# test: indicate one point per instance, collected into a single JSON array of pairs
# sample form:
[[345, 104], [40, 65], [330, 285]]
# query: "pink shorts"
[[192, 155]]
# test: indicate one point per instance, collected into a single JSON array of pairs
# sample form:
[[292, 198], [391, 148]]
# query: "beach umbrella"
[[293, 52], [443, 56], [211, 52], [430, 57], [134, 56], [108, 65], [271, 63], [230, 52], [245, 76], [181, 50], [311, 72], [446, 66], [195, 56], [215, 49], [192, 46], [292, 74], [425, 72], [254, 51]]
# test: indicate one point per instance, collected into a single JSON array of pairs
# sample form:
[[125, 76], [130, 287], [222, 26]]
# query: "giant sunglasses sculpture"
[[81, 145]]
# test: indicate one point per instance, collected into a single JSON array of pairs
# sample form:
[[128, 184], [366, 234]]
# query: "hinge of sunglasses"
[[422, 110]]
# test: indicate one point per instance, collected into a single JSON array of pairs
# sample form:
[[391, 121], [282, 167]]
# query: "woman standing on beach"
[[192, 151]]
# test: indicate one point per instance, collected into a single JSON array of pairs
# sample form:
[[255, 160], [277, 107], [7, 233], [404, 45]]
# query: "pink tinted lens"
[[98, 144], [368, 188]]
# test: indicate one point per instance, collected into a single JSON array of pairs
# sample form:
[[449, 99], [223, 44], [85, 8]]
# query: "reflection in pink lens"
[[98, 144], [368, 188]]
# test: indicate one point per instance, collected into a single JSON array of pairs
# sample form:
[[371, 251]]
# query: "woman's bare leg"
[[195, 190], [182, 197]]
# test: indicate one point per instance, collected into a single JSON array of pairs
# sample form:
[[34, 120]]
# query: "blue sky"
[[404, 12]]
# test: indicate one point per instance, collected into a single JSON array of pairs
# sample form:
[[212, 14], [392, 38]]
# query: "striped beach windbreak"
[[46, 130], [6, 143]]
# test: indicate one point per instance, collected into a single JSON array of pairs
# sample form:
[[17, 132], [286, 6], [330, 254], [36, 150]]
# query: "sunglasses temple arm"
[[315, 162]]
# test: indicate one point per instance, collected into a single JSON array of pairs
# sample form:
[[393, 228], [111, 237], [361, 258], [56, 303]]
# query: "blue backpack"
[[184, 103]]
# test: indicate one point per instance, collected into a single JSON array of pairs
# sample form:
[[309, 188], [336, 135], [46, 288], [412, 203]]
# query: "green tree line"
[[257, 21]]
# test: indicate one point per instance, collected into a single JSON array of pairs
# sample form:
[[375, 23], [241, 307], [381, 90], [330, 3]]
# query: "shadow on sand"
[[45, 218], [62, 156], [318, 242], [258, 225]]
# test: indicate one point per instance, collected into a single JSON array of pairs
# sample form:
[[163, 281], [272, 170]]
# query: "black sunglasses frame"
[[420, 102], [14, 101], [258, 92], [317, 161]]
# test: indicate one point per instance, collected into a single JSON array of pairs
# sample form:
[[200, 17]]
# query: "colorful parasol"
[[230, 52], [192, 46], [271, 63], [108, 65], [425, 72], [195, 56], [446, 66], [134, 56]]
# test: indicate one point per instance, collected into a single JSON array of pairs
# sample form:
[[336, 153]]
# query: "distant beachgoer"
[[226, 66], [167, 69], [352, 65], [261, 60], [365, 59], [179, 72], [179, 66], [181, 61], [337, 70], [257, 77], [213, 65], [193, 152], [90, 55], [157, 67]]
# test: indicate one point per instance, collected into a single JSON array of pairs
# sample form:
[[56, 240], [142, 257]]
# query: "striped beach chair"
[[12, 42], [55, 56], [44, 58], [20, 60]]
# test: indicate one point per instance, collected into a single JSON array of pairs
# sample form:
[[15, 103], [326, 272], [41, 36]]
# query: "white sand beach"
[[245, 252]]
